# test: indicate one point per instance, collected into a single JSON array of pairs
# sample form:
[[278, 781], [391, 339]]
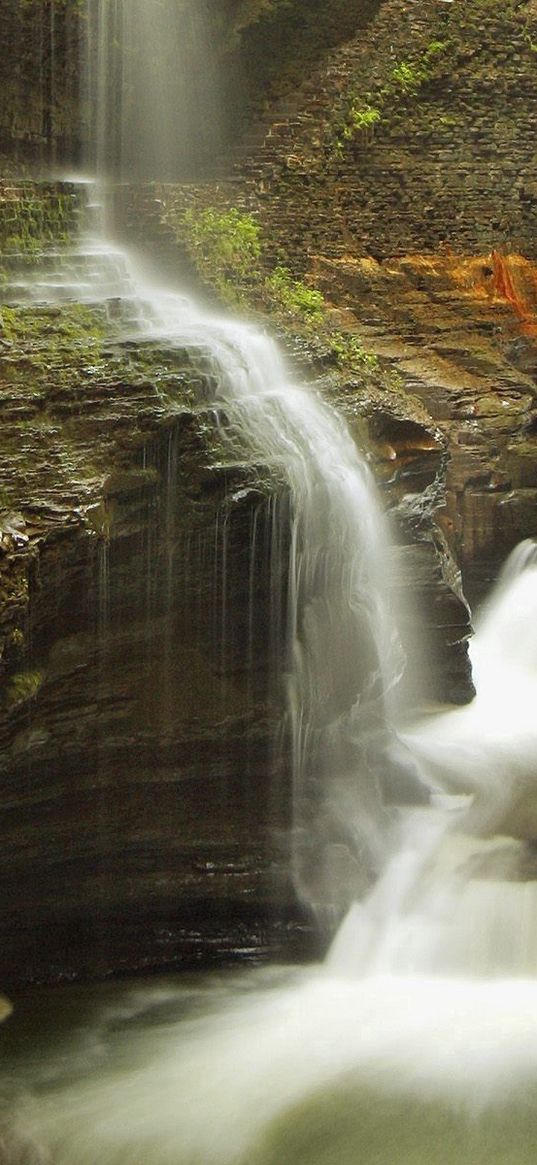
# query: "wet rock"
[[138, 705]]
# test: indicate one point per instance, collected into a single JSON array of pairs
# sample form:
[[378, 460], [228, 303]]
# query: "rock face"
[[141, 799], [418, 225], [249, 53], [447, 158], [137, 742], [40, 75], [460, 333], [146, 803]]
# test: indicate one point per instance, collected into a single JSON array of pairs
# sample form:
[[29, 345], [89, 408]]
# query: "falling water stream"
[[416, 1040]]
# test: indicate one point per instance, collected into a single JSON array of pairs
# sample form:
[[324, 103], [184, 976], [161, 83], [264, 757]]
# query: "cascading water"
[[417, 1039], [153, 94]]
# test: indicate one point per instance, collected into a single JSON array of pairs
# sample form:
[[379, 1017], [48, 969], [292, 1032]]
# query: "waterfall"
[[456, 896], [436, 865], [416, 1041], [343, 657], [152, 91], [342, 650]]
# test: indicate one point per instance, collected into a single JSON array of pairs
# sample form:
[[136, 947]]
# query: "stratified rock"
[[138, 707]]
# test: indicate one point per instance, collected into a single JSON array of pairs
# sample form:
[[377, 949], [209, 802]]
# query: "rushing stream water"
[[416, 1041]]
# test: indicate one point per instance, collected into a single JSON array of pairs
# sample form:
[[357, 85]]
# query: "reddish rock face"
[[460, 332]]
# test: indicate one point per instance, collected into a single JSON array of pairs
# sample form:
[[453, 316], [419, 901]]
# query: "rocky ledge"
[[138, 708]]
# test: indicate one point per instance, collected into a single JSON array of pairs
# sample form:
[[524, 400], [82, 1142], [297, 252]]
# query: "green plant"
[[434, 48], [23, 686], [362, 118], [348, 349], [408, 77], [448, 121], [293, 295], [359, 119], [224, 240]]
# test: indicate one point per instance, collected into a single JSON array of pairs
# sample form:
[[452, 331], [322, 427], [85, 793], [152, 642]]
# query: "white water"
[[153, 92], [416, 1042], [342, 650], [343, 658]]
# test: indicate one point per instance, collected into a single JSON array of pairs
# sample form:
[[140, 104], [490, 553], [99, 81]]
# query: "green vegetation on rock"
[[223, 244], [294, 296], [52, 326], [348, 350], [231, 257], [32, 217], [405, 80], [227, 250], [22, 687]]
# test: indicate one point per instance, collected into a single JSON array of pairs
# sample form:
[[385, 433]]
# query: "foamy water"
[[316, 1066]]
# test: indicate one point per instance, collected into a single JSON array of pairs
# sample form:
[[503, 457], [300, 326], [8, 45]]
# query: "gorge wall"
[[139, 707], [399, 181]]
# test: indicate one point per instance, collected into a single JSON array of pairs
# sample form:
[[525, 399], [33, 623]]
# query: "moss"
[[33, 216], [47, 350], [23, 687], [72, 323]]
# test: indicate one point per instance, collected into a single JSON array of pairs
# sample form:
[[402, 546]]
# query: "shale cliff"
[[399, 180]]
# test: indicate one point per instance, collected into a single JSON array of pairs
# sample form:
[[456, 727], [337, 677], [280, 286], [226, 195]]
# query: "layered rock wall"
[[449, 160], [144, 800], [40, 77], [413, 144]]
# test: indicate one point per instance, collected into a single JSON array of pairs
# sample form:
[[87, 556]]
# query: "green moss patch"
[[22, 687]]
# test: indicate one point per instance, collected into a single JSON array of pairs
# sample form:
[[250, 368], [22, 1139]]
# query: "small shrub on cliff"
[[225, 244], [293, 296], [360, 120], [407, 78], [365, 118], [348, 349]]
